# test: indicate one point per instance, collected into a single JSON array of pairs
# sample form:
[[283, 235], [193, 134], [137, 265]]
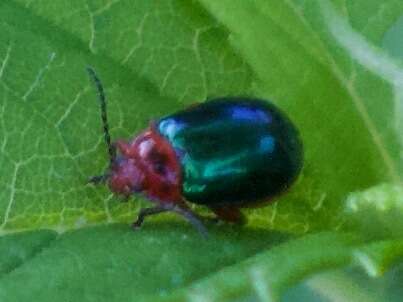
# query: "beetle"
[[227, 153]]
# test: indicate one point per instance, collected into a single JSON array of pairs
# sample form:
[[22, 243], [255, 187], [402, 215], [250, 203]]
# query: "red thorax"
[[146, 164]]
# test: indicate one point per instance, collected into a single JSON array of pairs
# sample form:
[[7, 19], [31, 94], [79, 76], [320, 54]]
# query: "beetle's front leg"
[[98, 179]]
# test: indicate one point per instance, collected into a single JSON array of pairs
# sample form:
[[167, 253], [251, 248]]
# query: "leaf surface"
[[330, 65]]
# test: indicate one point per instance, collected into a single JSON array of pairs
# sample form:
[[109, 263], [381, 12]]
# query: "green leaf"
[[332, 286], [15, 250], [378, 257], [113, 263], [154, 59], [377, 212], [87, 264], [347, 285], [321, 62], [270, 273]]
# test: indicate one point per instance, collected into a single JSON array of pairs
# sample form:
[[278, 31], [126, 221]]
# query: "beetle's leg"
[[229, 214], [183, 211], [98, 179], [125, 198], [148, 212], [192, 218]]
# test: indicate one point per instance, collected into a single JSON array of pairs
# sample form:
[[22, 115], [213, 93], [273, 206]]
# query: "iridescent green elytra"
[[233, 151]]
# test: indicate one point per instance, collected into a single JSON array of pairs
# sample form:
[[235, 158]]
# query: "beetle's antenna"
[[104, 116]]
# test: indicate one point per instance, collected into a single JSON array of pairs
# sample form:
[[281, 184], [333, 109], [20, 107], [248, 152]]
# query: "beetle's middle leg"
[[181, 210], [147, 212]]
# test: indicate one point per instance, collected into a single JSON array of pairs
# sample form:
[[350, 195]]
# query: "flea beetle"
[[226, 154]]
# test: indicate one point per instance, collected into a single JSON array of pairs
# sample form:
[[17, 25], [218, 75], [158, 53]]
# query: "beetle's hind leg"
[[229, 214], [183, 211]]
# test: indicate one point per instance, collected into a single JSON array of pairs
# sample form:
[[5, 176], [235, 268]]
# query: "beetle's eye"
[[158, 162], [159, 168]]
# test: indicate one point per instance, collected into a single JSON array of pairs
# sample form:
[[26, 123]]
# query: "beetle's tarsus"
[[147, 212], [98, 179]]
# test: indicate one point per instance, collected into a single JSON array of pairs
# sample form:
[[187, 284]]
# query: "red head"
[[124, 177], [147, 164]]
